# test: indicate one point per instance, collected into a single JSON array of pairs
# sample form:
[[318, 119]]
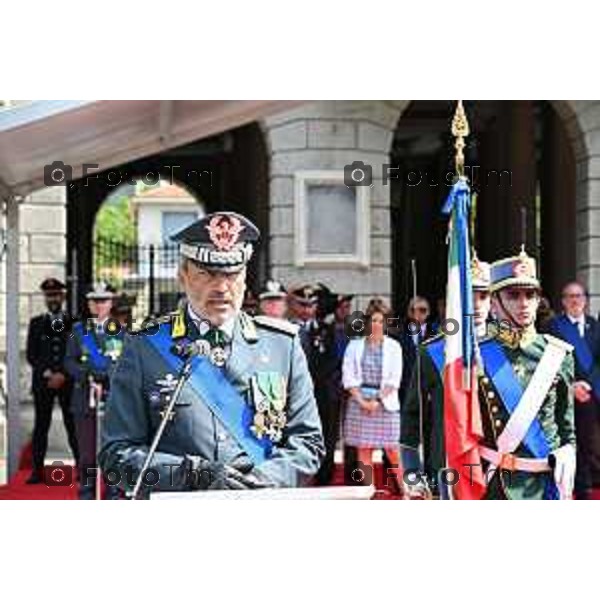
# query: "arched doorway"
[[225, 172], [132, 249], [521, 166]]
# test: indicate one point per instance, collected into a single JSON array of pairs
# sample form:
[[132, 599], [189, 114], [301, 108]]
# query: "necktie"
[[216, 337]]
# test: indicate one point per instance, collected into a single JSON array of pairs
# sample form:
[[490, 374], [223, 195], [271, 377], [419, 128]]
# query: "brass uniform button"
[[485, 380], [498, 423], [494, 408], [491, 395]]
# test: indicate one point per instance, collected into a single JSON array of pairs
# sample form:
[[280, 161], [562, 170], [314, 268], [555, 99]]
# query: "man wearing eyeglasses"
[[583, 333]]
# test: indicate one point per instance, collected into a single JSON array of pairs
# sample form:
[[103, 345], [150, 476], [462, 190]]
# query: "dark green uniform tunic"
[[556, 415]]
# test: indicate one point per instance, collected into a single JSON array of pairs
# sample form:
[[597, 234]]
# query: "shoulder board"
[[168, 318], [432, 340], [551, 339], [280, 325]]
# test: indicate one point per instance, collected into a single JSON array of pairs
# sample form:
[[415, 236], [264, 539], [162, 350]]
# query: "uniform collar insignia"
[[514, 338], [178, 326], [248, 328]]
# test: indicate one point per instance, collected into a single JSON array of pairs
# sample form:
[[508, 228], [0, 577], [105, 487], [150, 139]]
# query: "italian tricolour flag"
[[462, 419]]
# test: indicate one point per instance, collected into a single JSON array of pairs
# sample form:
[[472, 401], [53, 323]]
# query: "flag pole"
[[460, 130]]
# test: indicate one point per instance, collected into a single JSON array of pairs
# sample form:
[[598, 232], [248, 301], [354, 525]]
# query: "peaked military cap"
[[52, 285], [220, 241], [101, 291], [273, 291], [515, 271], [305, 294], [341, 298], [480, 274]]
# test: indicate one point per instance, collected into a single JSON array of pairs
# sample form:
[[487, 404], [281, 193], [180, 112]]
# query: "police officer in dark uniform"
[[246, 416], [92, 352], [46, 345], [335, 341]]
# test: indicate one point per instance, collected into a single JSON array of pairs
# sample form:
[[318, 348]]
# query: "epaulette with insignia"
[[280, 325], [168, 318], [551, 339]]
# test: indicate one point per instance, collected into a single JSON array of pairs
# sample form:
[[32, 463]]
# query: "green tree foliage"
[[115, 221], [115, 239]]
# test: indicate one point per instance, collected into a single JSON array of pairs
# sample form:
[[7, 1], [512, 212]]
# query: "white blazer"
[[391, 368]]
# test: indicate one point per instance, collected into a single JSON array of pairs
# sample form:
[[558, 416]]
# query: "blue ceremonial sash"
[[221, 397], [436, 351], [88, 340], [570, 333], [500, 371]]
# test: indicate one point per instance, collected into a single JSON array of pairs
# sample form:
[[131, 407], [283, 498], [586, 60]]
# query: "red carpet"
[[17, 489]]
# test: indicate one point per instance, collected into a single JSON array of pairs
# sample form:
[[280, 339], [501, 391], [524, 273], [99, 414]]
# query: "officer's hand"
[[56, 381], [582, 391], [212, 475], [240, 475], [97, 390], [200, 472]]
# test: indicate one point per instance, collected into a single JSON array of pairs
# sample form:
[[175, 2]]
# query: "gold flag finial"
[[460, 130]]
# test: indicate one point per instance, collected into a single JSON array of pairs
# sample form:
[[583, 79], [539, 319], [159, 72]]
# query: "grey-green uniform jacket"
[[133, 413]]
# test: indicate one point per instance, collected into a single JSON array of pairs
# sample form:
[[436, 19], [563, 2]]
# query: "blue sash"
[[500, 371], [221, 397], [436, 351], [88, 340], [585, 359]]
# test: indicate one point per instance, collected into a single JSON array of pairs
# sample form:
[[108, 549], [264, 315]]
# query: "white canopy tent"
[[107, 133]]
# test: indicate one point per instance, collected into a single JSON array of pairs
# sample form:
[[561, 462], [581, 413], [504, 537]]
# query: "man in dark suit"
[[46, 346], [583, 332], [413, 332]]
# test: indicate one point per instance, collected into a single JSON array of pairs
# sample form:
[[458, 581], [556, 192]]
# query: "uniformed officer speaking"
[[246, 416]]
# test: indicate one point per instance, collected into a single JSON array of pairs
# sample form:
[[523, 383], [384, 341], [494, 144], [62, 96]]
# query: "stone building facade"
[[320, 139]]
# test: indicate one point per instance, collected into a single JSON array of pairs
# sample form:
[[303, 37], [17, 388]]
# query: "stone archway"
[[225, 172], [541, 144]]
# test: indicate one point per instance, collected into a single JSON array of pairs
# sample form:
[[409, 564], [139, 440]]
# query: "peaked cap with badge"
[[274, 290], [222, 241], [514, 271]]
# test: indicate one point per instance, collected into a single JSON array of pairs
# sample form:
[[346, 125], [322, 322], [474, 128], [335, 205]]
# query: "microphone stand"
[[184, 373]]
